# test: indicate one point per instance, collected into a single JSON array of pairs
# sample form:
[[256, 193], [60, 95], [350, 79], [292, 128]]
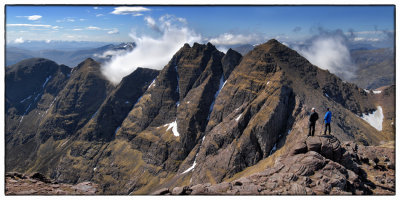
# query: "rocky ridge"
[[317, 165]]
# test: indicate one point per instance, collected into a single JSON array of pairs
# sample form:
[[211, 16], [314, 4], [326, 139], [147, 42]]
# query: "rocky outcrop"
[[38, 184], [318, 165]]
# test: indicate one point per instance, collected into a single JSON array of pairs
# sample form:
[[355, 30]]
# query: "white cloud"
[[137, 14], [48, 41], [34, 17], [75, 37], [19, 40], [150, 21], [234, 39], [29, 25], [329, 51], [114, 31], [70, 36], [99, 15], [77, 29], [110, 53], [152, 24], [67, 19], [125, 10], [183, 20], [358, 39], [150, 52], [369, 32], [82, 19], [93, 28], [96, 8]]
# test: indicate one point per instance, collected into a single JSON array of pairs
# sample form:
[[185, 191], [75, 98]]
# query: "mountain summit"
[[206, 117]]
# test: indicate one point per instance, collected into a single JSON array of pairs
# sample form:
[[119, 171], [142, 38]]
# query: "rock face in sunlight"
[[207, 123]]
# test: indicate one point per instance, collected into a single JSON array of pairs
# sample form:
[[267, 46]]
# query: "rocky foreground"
[[319, 165], [38, 184]]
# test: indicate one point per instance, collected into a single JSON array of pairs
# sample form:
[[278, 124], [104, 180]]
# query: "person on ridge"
[[313, 119], [327, 121]]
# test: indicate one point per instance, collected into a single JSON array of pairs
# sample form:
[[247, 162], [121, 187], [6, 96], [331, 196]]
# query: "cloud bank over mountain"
[[151, 52], [329, 50]]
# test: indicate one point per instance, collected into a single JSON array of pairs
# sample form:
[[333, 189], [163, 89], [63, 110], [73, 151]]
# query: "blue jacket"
[[328, 117]]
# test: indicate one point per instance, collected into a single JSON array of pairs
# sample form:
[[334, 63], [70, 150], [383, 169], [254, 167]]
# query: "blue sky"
[[238, 24]]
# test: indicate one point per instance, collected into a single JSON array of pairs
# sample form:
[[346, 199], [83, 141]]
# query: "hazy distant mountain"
[[206, 120], [243, 49], [376, 67], [68, 57], [15, 54], [34, 45]]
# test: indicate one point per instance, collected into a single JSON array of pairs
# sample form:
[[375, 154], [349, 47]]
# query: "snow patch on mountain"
[[221, 85], [174, 126], [375, 119], [191, 167]]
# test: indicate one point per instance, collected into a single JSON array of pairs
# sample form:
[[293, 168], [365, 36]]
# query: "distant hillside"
[[375, 67], [67, 57], [14, 55], [243, 49]]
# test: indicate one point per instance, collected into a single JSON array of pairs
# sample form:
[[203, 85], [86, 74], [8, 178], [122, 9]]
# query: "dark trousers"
[[311, 129], [327, 125]]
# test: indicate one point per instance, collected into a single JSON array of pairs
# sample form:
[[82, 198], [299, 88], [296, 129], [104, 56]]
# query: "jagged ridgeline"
[[205, 117]]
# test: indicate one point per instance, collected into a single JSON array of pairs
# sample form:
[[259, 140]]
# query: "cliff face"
[[206, 117]]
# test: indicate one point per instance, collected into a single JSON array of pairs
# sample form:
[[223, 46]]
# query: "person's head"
[[312, 109], [327, 109]]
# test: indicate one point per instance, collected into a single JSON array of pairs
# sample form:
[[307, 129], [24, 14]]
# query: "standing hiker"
[[327, 121], [313, 119]]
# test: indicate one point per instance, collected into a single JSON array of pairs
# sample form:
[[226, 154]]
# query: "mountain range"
[[206, 119], [69, 57], [369, 60]]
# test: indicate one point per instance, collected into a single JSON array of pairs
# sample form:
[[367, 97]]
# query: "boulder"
[[313, 143], [199, 189], [219, 188], [178, 191], [299, 148], [297, 189]]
